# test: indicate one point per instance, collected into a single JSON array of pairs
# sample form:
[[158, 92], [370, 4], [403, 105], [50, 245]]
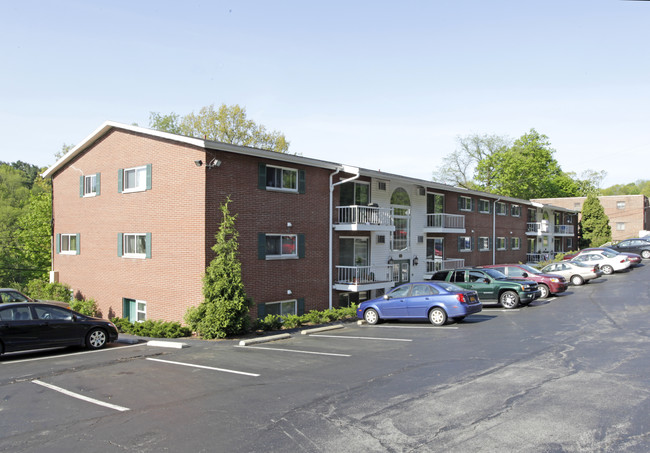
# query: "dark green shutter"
[[261, 311], [301, 245], [301, 306], [58, 243], [78, 244], [148, 244], [301, 181], [120, 243], [120, 180], [261, 176], [81, 185], [148, 176], [98, 184], [261, 246]]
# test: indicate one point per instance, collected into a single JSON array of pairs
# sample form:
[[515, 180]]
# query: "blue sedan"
[[435, 301]]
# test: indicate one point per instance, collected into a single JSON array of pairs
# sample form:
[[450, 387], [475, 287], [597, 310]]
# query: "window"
[[89, 185], [354, 194], [134, 310], [134, 245], [620, 205], [465, 244], [515, 210], [280, 246], [484, 206], [287, 307], [400, 202], [135, 179], [464, 203], [620, 226], [282, 178], [501, 243], [68, 244], [501, 208], [381, 185], [515, 243], [569, 219], [483, 243]]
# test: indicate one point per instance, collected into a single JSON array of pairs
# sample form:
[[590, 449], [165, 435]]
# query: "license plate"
[[472, 299]]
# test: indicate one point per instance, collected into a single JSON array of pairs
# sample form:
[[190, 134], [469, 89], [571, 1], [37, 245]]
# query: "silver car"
[[576, 273]]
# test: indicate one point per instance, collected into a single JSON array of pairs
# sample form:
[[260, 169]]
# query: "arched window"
[[401, 203]]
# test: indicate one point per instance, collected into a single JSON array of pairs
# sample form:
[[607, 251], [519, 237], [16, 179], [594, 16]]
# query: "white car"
[[576, 273], [608, 262]]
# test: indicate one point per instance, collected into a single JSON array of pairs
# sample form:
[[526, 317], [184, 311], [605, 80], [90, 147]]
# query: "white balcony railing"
[[446, 221], [537, 227], [563, 230], [359, 275], [540, 257], [364, 215], [441, 265]]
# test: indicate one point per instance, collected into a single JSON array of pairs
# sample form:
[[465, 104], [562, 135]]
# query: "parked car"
[[608, 262], [8, 295], [633, 258], [576, 273], [491, 284], [36, 325], [436, 301], [548, 283], [640, 246]]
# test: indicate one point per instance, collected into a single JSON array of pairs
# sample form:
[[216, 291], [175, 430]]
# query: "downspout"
[[331, 227], [494, 230]]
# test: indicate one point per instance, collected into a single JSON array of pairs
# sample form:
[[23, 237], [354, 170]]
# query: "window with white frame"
[[501, 243], [515, 210], [281, 246], [134, 310], [282, 308], [135, 179], [484, 206], [483, 243], [90, 185], [69, 244], [136, 245], [465, 203], [620, 226], [620, 205], [280, 178], [515, 243], [465, 244], [501, 208]]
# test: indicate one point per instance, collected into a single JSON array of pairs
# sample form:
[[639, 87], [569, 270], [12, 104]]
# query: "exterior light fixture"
[[415, 260], [198, 163], [390, 260]]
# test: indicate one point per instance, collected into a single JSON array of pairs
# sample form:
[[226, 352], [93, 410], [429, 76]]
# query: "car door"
[[395, 306], [18, 330], [420, 300], [481, 283], [59, 326]]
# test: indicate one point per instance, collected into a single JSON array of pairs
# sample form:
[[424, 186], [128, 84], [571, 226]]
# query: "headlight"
[[555, 280]]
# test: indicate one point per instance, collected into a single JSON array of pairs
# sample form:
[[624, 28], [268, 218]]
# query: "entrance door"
[[401, 271]]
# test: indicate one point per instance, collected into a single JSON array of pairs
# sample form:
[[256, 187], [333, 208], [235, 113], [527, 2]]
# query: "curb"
[[281, 336], [166, 344], [321, 329]]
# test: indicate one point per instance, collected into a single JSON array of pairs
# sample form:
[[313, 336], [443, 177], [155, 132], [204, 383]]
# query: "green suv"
[[491, 284]]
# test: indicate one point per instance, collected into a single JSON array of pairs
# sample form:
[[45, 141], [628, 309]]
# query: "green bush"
[[153, 329], [270, 322], [291, 321], [41, 289], [85, 307]]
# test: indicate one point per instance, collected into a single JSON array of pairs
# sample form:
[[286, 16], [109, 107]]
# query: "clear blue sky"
[[377, 84]]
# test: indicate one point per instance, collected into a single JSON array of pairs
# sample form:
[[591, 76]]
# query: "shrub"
[[291, 321], [270, 322], [40, 289], [153, 329], [85, 307]]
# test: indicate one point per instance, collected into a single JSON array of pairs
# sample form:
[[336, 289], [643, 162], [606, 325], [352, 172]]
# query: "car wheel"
[[509, 299], [459, 318], [645, 254], [371, 316], [96, 339], [545, 291], [577, 280], [607, 269], [437, 316]]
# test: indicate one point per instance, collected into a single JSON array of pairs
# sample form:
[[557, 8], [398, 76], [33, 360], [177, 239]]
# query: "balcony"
[[537, 228], [445, 223], [443, 264], [563, 230], [363, 278], [363, 218], [534, 258]]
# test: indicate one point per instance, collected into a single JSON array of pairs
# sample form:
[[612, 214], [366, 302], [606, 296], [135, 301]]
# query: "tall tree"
[[594, 224], [34, 233], [224, 310], [227, 124]]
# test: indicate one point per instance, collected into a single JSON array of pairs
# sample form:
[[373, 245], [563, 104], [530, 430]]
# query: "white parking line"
[[64, 355], [81, 397], [204, 367], [360, 338], [413, 327], [294, 350]]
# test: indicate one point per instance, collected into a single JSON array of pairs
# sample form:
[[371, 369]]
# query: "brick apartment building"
[[135, 212], [628, 214]]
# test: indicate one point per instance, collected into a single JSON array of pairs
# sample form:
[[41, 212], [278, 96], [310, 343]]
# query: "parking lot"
[[567, 373]]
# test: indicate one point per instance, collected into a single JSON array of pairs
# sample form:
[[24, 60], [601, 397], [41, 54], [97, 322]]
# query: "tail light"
[[461, 298]]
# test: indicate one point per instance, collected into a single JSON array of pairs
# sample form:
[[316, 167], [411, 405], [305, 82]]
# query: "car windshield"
[[495, 274], [13, 296], [450, 287], [609, 254], [530, 269]]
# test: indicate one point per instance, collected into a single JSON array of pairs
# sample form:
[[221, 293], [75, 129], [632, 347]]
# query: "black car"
[[639, 246], [8, 295], [35, 325]]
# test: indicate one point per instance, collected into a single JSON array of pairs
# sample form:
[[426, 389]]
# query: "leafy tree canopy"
[[227, 124], [641, 187], [594, 223]]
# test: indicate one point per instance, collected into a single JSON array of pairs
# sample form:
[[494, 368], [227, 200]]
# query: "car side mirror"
[[486, 280], [525, 274]]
